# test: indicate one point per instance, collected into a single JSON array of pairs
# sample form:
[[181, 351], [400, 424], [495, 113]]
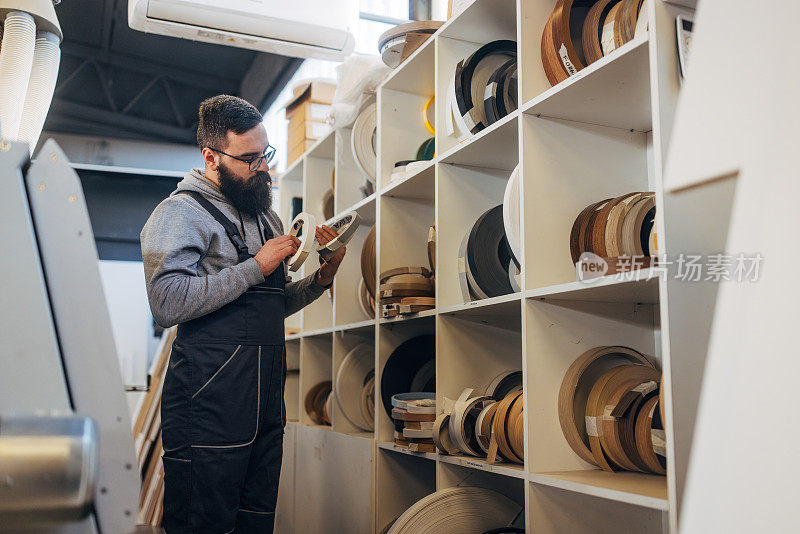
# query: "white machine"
[[67, 461], [319, 29]]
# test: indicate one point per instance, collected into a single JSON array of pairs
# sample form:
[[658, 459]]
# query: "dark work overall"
[[222, 412]]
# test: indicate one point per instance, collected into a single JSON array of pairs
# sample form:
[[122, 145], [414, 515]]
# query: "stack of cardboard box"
[[307, 112]]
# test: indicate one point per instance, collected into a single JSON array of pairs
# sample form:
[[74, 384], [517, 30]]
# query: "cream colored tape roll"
[[363, 141], [576, 386], [350, 381], [462, 433], [458, 510], [511, 214], [363, 300], [346, 227], [308, 223], [483, 428], [404, 270], [441, 435]]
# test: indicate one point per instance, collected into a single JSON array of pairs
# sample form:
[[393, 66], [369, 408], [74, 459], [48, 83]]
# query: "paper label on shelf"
[[591, 426], [571, 70], [645, 388], [659, 438]]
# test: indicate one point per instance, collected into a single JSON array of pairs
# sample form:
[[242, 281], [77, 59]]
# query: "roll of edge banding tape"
[[362, 141], [441, 434], [426, 119], [483, 425], [346, 227], [351, 377], [511, 214], [309, 222]]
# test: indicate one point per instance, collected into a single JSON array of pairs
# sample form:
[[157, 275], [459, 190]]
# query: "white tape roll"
[[363, 141], [461, 129], [462, 422], [346, 227], [511, 214], [351, 378], [309, 223], [458, 510]]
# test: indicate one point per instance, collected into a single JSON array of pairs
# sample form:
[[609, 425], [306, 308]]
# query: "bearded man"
[[214, 260]]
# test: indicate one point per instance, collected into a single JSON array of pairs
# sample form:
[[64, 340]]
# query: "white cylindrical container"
[[46, 58], [16, 61]]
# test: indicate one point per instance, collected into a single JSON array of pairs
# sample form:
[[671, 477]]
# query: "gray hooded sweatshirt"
[[190, 264]]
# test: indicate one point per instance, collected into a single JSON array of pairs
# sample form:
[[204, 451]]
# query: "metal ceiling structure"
[[118, 82]]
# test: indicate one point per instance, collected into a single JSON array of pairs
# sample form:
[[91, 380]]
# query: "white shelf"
[[503, 305], [402, 450], [416, 73], [612, 288], [495, 147], [361, 326], [417, 185], [505, 469], [408, 317], [613, 91], [648, 491], [127, 170]]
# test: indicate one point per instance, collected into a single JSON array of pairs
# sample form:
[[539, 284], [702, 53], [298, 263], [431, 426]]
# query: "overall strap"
[[230, 228]]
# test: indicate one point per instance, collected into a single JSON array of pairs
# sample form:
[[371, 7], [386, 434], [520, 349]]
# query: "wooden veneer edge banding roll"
[[600, 225], [553, 68], [593, 30], [576, 386], [611, 434], [368, 269], [644, 440]]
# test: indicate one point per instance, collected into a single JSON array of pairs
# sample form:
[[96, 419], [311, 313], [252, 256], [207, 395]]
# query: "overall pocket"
[[177, 494], [225, 402]]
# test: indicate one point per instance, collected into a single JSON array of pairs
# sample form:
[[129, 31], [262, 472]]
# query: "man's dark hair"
[[221, 113]]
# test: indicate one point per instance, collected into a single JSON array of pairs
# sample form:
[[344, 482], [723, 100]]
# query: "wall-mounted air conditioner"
[[299, 28]]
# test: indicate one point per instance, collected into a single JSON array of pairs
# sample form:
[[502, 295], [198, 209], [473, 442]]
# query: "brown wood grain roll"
[[587, 232], [418, 301], [365, 300], [593, 30], [403, 415], [627, 429], [661, 404], [368, 269], [576, 386], [501, 425], [625, 24], [644, 437], [567, 33], [551, 62], [432, 249], [484, 432], [632, 225], [600, 224], [368, 401], [596, 406], [315, 400], [613, 238], [622, 405], [578, 231], [517, 435], [609, 25]]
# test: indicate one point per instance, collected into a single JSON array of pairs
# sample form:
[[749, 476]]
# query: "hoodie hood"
[[195, 180]]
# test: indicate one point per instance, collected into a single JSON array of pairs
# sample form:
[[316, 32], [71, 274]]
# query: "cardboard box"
[[300, 130], [320, 91], [297, 150], [309, 111]]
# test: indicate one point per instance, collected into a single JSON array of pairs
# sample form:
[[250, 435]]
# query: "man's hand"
[[275, 251], [327, 270]]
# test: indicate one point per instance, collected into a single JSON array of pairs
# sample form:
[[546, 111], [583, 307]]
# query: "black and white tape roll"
[[496, 98], [353, 374], [407, 369], [503, 384], [472, 76], [410, 402], [463, 419], [308, 223], [488, 255], [364, 143], [441, 434], [346, 227], [483, 441]]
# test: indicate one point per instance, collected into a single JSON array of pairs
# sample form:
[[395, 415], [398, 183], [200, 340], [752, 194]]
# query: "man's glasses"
[[252, 163]]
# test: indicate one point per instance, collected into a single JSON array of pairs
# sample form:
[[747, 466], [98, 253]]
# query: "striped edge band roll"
[[346, 227], [363, 141], [597, 407], [578, 381], [497, 99], [471, 78], [458, 510], [353, 374], [309, 222]]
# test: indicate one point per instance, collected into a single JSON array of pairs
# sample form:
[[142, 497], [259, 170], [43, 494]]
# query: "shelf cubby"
[[401, 480], [343, 343], [315, 367]]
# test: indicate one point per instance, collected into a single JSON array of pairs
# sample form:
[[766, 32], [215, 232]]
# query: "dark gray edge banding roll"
[[488, 254]]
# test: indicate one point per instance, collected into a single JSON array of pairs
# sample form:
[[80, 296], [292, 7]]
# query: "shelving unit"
[[601, 133]]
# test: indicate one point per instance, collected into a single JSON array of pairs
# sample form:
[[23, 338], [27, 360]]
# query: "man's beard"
[[252, 195]]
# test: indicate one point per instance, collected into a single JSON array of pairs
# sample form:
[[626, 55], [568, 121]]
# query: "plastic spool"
[[16, 62], [456, 511], [488, 255], [363, 141], [346, 227], [511, 215], [306, 240], [580, 378], [42, 84], [351, 378], [406, 366], [471, 78]]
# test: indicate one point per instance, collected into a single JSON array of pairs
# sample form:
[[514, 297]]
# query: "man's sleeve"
[[174, 241]]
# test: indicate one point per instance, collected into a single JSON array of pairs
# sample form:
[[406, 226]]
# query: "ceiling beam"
[[137, 124], [151, 68]]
